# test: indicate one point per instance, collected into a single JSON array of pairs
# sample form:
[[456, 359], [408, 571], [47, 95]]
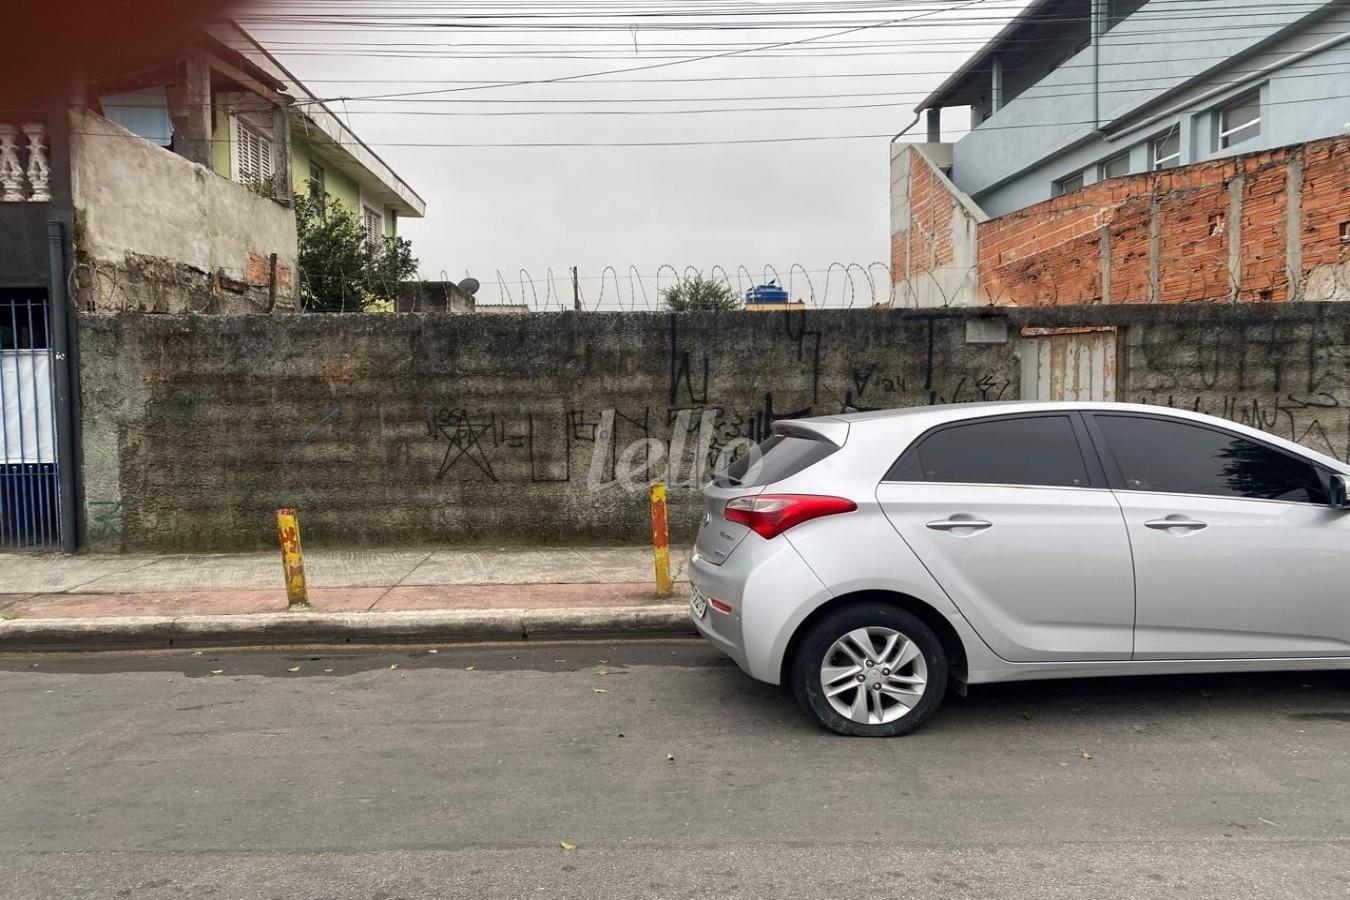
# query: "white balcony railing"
[[24, 173]]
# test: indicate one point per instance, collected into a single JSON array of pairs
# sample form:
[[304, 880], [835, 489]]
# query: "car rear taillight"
[[769, 515]]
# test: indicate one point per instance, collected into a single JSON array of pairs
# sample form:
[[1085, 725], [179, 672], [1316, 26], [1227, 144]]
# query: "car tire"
[[833, 648]]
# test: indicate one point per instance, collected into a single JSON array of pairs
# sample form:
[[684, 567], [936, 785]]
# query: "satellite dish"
[[470, 286]]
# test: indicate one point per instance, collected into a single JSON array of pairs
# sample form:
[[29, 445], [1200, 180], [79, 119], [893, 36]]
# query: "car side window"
[[1028, 450], [1179, 458]]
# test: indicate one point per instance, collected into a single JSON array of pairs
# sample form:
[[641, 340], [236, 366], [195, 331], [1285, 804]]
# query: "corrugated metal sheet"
[[1069, 364]]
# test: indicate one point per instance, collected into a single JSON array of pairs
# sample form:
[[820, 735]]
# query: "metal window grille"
[[30, 504]]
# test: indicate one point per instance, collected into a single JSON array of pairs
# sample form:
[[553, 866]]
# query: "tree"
[[340, 270], [700, 294]]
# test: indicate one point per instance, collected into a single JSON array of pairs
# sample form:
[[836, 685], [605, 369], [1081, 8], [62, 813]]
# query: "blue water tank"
[[766, 293]]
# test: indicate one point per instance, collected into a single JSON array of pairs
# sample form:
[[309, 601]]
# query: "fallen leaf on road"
[[393, 666], [1087, 755], [600, 690], [295, 669], [670, 757], [470, 668], [567, 846]]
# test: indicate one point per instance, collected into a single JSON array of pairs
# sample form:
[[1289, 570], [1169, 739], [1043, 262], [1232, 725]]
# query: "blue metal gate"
[[30, 497]]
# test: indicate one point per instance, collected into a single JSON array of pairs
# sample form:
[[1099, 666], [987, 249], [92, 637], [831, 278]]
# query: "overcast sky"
[[500, 210]]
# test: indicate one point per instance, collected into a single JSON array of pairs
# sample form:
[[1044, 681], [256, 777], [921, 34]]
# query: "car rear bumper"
[[769, 588], [723, 631]]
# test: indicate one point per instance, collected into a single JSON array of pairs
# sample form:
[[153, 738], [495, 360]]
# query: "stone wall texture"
[[392, 429]]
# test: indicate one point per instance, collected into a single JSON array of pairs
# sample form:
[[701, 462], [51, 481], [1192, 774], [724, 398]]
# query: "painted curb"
[[449, 626]]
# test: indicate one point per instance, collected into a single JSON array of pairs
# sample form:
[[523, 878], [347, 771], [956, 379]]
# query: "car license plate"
[[698, 604]]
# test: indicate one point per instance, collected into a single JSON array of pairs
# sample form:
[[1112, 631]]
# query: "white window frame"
[[321, 183], [372, 226], [250, 142], [1157, 163], [1101, 167], [1223, 132]]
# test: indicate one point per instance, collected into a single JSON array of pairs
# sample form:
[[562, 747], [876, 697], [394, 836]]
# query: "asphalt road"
[[456, 775]]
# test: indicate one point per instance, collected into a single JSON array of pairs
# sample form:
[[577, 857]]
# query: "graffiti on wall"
[[715, 411]]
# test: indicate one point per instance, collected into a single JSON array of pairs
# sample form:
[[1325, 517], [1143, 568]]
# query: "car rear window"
[[778, 457]]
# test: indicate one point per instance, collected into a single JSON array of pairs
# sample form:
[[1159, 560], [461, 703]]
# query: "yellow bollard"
[[292, 559], [660, 539]]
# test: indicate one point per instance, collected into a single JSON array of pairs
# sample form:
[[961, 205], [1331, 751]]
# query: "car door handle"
[[956, 524], [1180, 523]]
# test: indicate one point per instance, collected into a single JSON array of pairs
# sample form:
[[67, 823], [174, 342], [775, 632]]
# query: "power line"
[[898, 99], [662, 65], [717, 142]]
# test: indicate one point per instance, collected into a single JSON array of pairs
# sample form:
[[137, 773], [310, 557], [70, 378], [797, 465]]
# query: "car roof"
[[915, 419], [954, 411]]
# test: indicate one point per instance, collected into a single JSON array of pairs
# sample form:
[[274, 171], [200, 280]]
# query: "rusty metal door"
[[1069, 363]]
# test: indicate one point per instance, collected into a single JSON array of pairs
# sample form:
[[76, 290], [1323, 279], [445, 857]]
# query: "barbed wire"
[[100, 286], [1058, 279], [619, 288]]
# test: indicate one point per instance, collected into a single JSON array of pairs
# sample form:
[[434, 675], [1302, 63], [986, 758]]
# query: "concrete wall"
[[933, 231], [417, 429], [157, 233], [1047, 133]]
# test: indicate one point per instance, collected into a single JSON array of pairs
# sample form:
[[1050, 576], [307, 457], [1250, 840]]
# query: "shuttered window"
[[373, 226], [253, 156]]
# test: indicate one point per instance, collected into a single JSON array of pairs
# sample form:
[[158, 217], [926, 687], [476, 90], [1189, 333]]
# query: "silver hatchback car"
[[869, 559]]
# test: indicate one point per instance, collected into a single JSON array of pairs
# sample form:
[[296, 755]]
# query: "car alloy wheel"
[[870, 669], [873, 675]]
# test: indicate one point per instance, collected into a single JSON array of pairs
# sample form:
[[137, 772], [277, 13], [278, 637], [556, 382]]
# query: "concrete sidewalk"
[[355, 595]]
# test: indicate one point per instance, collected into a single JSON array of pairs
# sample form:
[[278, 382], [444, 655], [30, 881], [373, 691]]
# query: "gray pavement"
[[122, 573], [148, 776]]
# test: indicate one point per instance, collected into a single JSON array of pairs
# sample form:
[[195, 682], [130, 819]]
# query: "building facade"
[[154, 175], [1126, 151], [1073, 92]]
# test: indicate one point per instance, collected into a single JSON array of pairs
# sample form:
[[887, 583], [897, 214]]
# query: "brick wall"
[[1256, 228], [932, 233]]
